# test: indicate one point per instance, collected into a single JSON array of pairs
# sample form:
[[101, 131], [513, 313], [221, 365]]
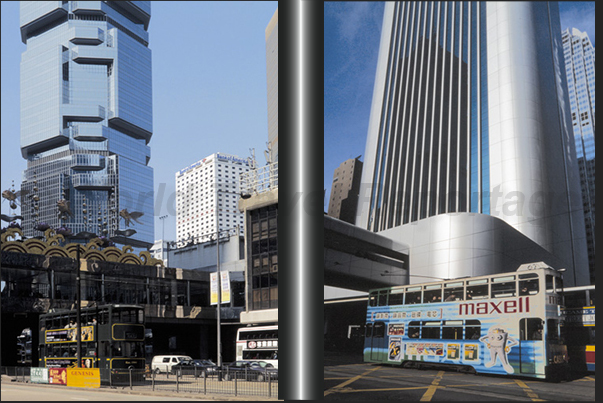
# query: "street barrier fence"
[[244, 383]]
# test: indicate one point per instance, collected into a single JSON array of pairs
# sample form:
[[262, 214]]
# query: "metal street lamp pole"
[[79, 310], [218, 308], [219, 280]]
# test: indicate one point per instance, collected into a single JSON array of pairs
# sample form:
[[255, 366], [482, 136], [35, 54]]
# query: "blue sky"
[[352, 35], [209, 89]]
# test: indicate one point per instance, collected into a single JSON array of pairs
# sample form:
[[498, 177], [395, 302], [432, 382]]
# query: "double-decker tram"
[[580, 322], [112, 337], [258, 343], [507, 324]]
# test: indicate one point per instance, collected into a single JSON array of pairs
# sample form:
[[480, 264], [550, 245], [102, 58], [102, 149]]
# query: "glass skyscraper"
[[580, 70], [86, 118], [469, 155]]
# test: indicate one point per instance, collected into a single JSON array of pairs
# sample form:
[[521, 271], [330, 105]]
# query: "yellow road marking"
[[349, 390], [528, 391], [349, 381], [432, 389]]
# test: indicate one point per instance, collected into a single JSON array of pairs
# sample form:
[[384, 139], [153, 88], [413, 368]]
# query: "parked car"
[[249, 370], [164, 363], [267, 367], [197, 368]]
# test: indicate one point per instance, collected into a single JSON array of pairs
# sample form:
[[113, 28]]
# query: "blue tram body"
[[502, 331]]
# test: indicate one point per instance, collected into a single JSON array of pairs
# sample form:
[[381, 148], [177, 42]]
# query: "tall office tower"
[[260, 208], [208, 187], [344, 191], [469, 157], [86, 118], [272, 80], [580, 70]]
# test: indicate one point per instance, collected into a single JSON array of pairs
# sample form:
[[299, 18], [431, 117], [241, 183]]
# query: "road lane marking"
[[528, 391], [339, 387], [435, 385]]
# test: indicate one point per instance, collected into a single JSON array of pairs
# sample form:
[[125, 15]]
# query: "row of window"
[[529, 329], [446, 330], [498, 287]]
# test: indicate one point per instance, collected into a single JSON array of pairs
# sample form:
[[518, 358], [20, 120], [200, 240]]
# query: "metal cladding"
[[470, 118]]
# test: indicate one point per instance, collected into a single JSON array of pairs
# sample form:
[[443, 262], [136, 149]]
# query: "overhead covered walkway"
[[358, 259]]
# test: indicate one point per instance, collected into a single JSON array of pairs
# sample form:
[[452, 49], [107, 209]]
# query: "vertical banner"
[[225, 286], [213, 288]]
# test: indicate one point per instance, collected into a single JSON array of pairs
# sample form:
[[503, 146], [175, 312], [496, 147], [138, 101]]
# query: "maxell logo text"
[[520, 305]]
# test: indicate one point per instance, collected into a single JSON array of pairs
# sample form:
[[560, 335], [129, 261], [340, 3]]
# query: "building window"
[[264, 258]]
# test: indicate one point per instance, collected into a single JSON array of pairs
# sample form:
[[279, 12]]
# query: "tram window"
[[552, 330], [453, 291], [373, 299], [452, 330], [528, 284], [413, 295], [383, 298], [103, 317], [477, 289], [504, 287], [432, 293], [549, 283], [414, 330], [431, 330], [473, 329], [368, 330], [592, 298], [396, 297], [530, 329], [379, 329], [559, 284]]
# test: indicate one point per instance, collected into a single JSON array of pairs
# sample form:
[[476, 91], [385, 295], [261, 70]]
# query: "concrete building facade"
[[344, 191]]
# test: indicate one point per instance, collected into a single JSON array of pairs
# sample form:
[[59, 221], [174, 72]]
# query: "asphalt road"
[[371, 382]]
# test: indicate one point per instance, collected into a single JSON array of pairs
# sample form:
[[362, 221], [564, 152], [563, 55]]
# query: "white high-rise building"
[[208, 187]]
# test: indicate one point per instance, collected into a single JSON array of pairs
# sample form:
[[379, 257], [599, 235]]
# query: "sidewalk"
[[126, 390]]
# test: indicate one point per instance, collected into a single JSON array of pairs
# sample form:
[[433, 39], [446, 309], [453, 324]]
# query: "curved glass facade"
[[86, 117]]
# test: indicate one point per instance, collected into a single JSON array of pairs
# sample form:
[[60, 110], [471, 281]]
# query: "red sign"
[[57, 376]]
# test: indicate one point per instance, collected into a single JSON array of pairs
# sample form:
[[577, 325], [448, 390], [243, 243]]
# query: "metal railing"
[[262, 383], [259, 180]]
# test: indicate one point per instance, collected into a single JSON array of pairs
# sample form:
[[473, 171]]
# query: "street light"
[[219, 288]]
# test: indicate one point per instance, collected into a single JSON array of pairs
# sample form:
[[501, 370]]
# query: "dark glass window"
[[473, 329], [452, 330], [264, 257], [396, 297], [431, 330]]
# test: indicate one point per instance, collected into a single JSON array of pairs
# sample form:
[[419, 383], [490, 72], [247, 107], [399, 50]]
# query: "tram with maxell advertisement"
[[505, 324]]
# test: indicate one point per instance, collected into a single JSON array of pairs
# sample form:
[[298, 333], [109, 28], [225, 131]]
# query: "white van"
[[163, 363]]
